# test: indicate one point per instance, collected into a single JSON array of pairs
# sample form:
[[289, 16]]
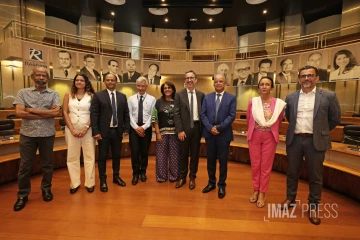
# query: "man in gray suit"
[[188, 127], [312, 113]]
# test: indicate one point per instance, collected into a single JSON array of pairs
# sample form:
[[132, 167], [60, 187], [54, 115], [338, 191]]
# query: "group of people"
[[180, 120]]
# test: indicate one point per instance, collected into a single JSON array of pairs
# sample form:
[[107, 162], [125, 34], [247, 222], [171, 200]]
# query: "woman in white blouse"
[[345, 65], [76, 112]]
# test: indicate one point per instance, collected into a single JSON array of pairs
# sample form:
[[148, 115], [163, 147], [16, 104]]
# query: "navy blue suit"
[[217, 146]]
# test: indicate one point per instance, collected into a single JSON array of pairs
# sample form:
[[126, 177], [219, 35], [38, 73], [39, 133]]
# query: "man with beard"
[[37, 106], [66, 69]]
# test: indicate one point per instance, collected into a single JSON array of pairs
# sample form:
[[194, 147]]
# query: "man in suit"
[[286, 76], [89, 68], [151, 76], [264, 67], [110, 121], [217, 114], [242, 74], [113, 66], [66, 69], [312, 113], [188, 127], [131, 75], [315, 60]]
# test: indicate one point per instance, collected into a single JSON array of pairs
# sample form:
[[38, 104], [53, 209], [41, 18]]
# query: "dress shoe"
[[208, 188], [143, 177], [221, 193], [135, 180], [73, 190], [192, 184], [180, 183], [314, 215], [47, 195], [90, 189], [287, 204], [103, 186], [119, 181], [20, 203]]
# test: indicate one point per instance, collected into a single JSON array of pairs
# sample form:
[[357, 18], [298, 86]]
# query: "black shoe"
[[119, 181], [20, 203], [143, 177], [73, 190], [208, 188], [192, 184], [47, 195], [103, 186], [221, 193], [90, 189], [135, 180], [180, 183]]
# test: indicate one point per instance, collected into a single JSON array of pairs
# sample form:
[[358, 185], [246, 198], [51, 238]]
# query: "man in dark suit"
[[315, 60], [264, 67], [110, 121], [312, 113], [66, 69], [242, 72], [152, 78], [286, 75], [113, 66], [188, 127], [217, 114], [89, 68], [131, 75]]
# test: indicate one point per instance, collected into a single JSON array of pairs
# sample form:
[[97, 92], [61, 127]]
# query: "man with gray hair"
[[37, 106], [141, 106]]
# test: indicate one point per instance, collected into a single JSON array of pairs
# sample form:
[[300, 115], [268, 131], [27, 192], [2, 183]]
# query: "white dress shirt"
[[109, 92], [195, 107], [221, 95], [305, 112], [148, 105]]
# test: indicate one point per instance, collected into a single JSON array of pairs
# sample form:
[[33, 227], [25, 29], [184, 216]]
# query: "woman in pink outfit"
[[264, 117]]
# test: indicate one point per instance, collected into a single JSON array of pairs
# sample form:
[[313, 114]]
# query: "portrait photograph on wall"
[[344, 63], [264, 67], [151, 70], [64, 64], [131, 70], [112, 65], [90, 66], [243, 73], [225, 69], [287, 68], [318, 59]]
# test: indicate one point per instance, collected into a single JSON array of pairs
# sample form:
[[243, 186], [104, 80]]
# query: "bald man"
[[131, 75], [242, 72]]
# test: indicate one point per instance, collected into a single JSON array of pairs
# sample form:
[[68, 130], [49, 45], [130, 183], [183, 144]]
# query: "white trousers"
[[87, 143]]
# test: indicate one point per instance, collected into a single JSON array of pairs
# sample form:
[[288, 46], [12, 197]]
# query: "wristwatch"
[[87, 126]]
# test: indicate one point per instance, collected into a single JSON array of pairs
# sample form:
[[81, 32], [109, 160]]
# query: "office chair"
[[7, 129], [352, 136]]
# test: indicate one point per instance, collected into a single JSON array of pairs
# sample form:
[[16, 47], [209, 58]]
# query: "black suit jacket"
[[156, 79], [322, 75], [133, 79], [248, 81], [182, 110], [90, 76], [101, 113]]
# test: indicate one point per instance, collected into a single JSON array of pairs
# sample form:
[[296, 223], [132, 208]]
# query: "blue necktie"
[[113, 106], [217, 105]]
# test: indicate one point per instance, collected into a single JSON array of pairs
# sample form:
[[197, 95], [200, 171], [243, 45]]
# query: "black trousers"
[[28, 148], [216, 148], [115, 141], [190, 144], [139, 150]]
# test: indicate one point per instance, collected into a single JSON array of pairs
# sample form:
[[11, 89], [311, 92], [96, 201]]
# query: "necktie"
[[217, 105], [140, 113], [113, 106], [288, 78], [66, 73], [151, 80], [192, 110], [130, 76]]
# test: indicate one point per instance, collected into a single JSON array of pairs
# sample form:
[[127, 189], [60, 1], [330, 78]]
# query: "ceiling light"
[[193, 19], [265, 11], [210, 20], [255, 1], [212, 11], [158, 11], [112, 13], [166, 20], [116, 2]]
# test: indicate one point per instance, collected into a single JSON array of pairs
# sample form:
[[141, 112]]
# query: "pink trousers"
[[262, 147]]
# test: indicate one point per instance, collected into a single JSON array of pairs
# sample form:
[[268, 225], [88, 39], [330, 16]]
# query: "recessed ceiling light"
[[163, 0], [265, 11], [166, 20], [112, 13], [210, 20], [193, 19]]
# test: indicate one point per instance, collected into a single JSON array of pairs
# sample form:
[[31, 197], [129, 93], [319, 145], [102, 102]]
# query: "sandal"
[[254, 197], [261, 204]]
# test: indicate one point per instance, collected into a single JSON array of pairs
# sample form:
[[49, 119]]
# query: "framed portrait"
[[287, 68], [264, 67], [243, 73], [112, 65], [64, 64], [225, 69], [318, 59], [151, 70], [90, 66], [344, 63], [131, 70]]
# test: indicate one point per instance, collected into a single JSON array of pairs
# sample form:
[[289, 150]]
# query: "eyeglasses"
[[307, 75], [242, 69], [189, 78]]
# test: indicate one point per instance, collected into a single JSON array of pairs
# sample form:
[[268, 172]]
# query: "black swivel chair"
[[352, 136], [11, 116], [7, 129], [357, 115]]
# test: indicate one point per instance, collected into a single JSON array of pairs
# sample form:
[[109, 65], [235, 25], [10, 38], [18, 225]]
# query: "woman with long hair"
[[345, 65], [76, 112]]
